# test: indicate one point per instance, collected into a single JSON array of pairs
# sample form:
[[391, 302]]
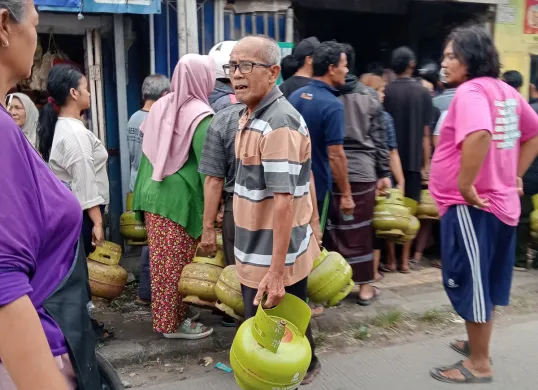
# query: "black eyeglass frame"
[[228, 67]]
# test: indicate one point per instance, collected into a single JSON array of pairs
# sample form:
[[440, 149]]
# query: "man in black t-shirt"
[[410, 105], [302, 54]]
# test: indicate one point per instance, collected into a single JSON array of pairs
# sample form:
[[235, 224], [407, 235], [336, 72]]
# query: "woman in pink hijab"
[[169, 190]]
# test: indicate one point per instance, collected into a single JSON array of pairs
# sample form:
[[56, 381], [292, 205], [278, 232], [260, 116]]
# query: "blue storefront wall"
[[236, 26]]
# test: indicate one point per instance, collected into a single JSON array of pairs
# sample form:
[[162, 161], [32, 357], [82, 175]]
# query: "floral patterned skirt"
[[170, 249]]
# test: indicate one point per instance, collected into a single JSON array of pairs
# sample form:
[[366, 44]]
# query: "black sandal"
[[469, 377], [466, 350], [103, 335]]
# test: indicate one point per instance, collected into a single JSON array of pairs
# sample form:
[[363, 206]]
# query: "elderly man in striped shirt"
[[277, 224]]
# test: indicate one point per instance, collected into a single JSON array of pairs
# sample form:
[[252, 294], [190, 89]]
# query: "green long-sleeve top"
[[179, 197]]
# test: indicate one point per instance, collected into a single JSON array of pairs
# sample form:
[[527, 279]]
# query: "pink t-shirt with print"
[[484, 104]]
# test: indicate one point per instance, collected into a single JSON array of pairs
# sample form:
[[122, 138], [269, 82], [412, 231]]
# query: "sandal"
[[385, 269], [405, 271], [469, 377], [103, 335], [368, 302], [415, 265], [466, 350], [190, 330]]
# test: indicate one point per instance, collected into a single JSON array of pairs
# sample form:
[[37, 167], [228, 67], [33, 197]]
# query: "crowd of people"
[[285, 170]]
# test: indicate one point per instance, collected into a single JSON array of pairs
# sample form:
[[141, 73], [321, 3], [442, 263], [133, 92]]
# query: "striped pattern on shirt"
[[273, 156], [218, 154]]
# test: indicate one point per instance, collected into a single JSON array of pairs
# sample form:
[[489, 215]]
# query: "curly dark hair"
[[474, 47], [327, 54]]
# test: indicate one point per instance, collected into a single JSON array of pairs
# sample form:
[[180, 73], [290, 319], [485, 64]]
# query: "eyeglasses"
[[244, 67]]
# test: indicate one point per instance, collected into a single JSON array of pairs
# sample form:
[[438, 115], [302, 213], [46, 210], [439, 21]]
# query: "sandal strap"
[[187, 327], [465, 372]]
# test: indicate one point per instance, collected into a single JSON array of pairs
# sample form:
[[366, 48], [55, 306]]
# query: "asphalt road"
[[515, 354]]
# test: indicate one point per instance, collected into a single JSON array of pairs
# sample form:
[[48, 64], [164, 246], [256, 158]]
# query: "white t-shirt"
[[78, 158]]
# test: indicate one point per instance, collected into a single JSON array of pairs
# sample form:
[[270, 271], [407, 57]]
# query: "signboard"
[[506, 14], [286, 48], [101, 6], [530, 18]]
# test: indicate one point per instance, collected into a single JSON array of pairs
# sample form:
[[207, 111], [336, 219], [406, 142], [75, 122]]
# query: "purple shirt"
[[40, 221]]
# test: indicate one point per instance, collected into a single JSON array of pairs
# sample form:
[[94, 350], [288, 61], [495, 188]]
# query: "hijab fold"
[[173, 119], [32, 118]]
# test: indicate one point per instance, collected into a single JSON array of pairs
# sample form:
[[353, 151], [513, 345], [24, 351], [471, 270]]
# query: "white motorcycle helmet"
[[221, 55]]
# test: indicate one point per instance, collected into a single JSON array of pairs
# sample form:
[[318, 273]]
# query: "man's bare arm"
[[213, 187], [338, 163]]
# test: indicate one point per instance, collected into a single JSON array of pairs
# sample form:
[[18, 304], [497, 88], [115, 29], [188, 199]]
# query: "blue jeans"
[[144, 288]]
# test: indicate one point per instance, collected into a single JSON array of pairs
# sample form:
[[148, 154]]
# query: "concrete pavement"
[[407, 366], [416, 293]]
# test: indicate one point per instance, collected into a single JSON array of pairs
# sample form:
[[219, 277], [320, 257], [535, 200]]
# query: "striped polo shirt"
[[273, 156]]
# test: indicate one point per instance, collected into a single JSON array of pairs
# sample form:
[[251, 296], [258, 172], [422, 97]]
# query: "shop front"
[[375, 29], [96, 36], [516, 37]]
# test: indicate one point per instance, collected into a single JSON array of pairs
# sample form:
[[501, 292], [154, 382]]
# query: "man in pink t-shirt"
[[488, 140]]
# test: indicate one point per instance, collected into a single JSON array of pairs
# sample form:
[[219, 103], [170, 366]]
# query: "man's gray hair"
[[154, 86], [15, 8], [270, 51]]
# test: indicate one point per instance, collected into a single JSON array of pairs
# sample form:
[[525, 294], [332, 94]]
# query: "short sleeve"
[[528, 121], [213, 161], [283, 153], [334, 126], [440, 122], [19, 220], [84, 184], [472, 112]]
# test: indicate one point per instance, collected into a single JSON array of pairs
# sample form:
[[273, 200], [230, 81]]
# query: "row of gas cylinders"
[[207, 281], [397, 218]]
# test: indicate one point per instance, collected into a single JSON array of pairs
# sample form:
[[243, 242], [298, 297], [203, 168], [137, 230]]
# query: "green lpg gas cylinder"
[[270, 351], [328, 283], [228, 291], [427, 209], [391, 216], [132, 229]]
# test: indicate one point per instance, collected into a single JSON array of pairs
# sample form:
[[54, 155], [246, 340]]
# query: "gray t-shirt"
[[134, 140], [218, 154]]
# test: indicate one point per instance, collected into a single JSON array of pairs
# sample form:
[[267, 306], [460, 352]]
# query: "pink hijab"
[[173, 119]]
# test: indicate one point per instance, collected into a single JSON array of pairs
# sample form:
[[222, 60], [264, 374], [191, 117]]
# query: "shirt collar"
[[273, 95], [321, 84]]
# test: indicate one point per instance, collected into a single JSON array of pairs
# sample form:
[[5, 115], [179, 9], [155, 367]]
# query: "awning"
[[101, 6]]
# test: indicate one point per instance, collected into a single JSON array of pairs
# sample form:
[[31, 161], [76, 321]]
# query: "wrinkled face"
[[252, 78], [455, 71], [18, 42], [17, 111], [81, 95], [338, 73]]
